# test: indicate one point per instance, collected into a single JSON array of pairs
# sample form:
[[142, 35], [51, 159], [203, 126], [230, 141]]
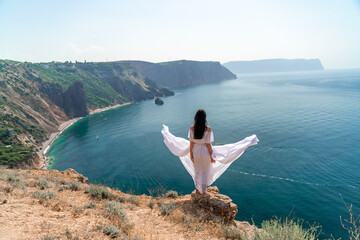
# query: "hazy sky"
[[46, 30]]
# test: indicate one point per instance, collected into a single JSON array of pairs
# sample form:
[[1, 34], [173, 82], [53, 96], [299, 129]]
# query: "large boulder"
[[219, 204]]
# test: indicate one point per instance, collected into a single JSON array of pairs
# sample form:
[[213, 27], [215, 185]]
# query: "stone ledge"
[[219, 204]]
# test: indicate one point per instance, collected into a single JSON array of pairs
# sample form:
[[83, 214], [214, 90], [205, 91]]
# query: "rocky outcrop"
[[159, 101], [166, 92], [183, 73], [72, 101], [154, 88], [71, 173], [75, 100], [219, 204]]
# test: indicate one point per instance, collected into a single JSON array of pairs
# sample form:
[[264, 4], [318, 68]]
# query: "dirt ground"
[[41, 204]]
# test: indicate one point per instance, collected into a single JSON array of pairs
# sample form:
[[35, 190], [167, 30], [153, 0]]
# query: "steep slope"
[[36, 97], [180, 74], [274, 65], [105, 83]]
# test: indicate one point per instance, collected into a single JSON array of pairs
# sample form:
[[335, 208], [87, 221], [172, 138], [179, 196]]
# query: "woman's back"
[[207, 137]]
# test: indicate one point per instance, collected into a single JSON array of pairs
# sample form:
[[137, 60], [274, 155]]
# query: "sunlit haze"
[[170, 30]]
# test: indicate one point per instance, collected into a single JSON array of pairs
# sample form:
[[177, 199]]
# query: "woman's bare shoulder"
[[192, 127]]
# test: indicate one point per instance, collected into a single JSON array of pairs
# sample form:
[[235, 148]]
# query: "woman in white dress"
[[204, 162], [201, 136]]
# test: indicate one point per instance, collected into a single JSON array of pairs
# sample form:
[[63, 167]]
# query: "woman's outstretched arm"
[[209, 147], [191, 151]]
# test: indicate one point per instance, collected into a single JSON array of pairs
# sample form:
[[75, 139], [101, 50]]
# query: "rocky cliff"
[[274, 65], [72, 101], [75, 100], [180, 74], [35, 98]]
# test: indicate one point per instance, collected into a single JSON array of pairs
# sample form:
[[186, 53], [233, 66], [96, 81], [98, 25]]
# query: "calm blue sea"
[[308, 124]]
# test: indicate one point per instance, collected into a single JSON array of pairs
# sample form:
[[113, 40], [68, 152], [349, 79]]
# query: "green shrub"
[[172, 194], [44, 195], [198, 228], [49, 238], [18, 185], [63, 182], [77, 209], [133, 200], [99, 192], [121, 199], [90, 205], [14, 177], [112, 231], [167, 208], [113, 207], [42, 184], [7, 189], [151, 204], [352, 223], [15, 154], [62, 188], [158, 191], [74, 186], [231, 232], [285, 228]]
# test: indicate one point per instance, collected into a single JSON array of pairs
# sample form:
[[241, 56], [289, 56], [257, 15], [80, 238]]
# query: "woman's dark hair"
[[199, 124]]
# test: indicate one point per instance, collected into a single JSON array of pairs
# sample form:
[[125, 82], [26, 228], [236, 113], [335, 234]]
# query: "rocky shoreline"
[[45, 146]]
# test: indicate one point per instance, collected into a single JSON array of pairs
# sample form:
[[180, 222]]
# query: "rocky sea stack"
[[159, 101]]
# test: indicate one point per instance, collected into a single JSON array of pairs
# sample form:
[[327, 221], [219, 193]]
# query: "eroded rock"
[[218, 204], [74, 174]]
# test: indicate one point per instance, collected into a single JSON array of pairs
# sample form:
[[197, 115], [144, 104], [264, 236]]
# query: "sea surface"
[[308, 124]]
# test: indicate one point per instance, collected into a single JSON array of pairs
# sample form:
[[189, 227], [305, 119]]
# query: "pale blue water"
[[309, 150]]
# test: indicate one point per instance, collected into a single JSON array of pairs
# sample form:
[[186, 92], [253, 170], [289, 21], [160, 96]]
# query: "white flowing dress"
[[203, 172]]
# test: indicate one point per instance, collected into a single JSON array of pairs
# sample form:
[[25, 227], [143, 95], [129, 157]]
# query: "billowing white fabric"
[[205, 173]]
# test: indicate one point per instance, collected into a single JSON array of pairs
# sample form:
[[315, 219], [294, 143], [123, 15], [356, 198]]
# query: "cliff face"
[[75, 100], [120, 81], [274, 65], [72, 101], [180, 74], [54, 91]]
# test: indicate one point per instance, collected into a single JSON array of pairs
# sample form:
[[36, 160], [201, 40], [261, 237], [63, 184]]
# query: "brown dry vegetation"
[[40, 204]]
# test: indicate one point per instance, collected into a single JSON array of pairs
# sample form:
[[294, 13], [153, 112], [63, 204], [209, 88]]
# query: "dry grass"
[[100, 213], [99, 192]]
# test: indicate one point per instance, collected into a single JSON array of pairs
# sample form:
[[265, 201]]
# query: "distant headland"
[[183, 73]]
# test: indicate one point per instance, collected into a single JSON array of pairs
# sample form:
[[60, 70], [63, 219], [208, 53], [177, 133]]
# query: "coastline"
[[45, 146]]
